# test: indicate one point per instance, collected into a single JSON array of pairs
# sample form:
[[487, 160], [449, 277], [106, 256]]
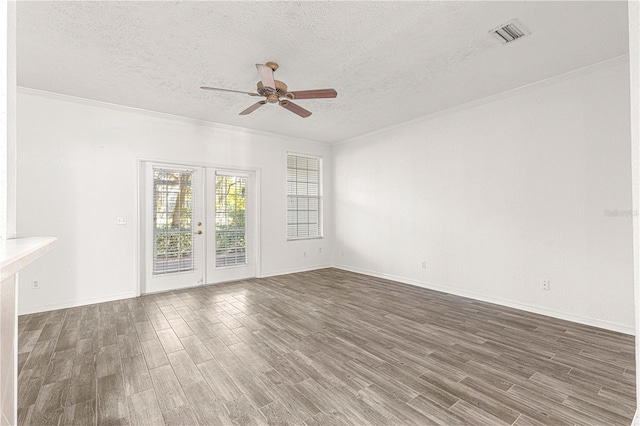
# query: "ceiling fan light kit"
[[276, 92]]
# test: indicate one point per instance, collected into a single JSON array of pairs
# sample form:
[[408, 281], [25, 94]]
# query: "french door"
[[173, 216], [198, 226], [230, 225]]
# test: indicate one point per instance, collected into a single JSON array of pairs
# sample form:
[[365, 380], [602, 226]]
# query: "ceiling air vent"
[[511, 31]]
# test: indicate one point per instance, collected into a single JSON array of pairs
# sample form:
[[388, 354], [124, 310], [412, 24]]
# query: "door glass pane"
[[172, 220], [231, 220]]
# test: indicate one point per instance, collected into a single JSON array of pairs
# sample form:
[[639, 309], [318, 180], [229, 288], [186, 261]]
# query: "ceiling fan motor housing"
[[272, 97]]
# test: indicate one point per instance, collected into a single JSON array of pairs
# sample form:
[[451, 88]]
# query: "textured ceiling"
[[389, 61]]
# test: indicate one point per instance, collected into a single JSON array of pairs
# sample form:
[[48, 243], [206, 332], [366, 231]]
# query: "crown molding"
[[589, 69], [156, 114], [622, 59]]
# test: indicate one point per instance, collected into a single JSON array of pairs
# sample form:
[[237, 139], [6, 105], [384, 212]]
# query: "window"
[[172, 220], [304, 197], [231, 232]]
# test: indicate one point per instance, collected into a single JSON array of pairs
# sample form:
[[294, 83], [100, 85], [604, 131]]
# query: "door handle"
[[198, 232]]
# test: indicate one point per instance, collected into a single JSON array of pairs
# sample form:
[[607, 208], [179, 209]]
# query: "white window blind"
[[231, 230], [172, 218], [304, 197]]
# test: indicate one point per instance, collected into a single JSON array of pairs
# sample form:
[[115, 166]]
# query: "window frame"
[[319, 197]]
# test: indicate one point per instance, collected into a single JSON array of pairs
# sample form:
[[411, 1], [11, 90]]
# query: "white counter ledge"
[[15, 254]]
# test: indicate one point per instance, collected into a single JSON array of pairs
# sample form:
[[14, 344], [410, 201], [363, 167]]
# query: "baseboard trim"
[[293, 271], [83, 302], [620, 328], [76, 303]]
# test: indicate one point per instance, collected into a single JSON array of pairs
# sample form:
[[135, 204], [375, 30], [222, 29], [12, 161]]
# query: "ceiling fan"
[[276, 92]]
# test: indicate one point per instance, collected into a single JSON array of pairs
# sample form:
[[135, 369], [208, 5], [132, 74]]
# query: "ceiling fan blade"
[[253, 108], [266, 76], [296, 109], [312, 94], [216, 89]]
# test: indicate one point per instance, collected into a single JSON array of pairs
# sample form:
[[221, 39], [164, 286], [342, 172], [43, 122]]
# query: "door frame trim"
[[139, 225]]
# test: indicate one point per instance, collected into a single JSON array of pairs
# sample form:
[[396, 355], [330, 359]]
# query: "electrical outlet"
[[35, 285], [121, 220], [544, 285], [320, 250], [424, 264]]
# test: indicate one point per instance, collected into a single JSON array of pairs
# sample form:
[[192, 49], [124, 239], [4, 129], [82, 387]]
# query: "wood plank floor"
[[326, 347]]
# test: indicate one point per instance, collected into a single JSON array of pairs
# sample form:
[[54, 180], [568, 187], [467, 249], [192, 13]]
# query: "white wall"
[[7, 120], [499, 195], [3, 123], [77, 171], [634, 66]]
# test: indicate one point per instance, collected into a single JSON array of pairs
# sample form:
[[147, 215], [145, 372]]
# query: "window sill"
[[304, 239]]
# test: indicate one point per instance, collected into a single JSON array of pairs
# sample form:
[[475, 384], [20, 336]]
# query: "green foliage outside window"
[[173, 245], [230, 216]]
